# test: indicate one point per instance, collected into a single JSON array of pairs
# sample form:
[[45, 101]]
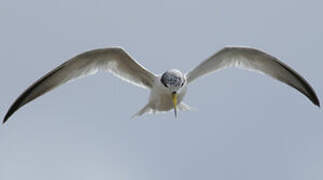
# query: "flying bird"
[[167, 90]]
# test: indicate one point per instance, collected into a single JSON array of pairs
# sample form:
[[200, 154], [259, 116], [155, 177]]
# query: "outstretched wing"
[[114, 60], [253, 59]]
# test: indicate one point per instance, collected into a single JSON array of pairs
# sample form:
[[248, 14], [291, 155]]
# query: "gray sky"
[[247, 126]]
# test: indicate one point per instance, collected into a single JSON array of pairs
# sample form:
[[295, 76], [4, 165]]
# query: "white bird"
[[167, 90]]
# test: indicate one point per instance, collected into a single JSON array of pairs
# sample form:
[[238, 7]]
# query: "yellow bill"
[[174, 98]]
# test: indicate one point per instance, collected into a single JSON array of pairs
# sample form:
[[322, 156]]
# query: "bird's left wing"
[[253, 59], [114, 60]]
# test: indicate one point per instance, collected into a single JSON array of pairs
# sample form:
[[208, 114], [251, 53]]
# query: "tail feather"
[[184, 107], [147, 109], [144, 110]]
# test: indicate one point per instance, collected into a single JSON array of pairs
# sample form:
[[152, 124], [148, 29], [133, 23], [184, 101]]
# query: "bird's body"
[[160, 96], [168, 89]]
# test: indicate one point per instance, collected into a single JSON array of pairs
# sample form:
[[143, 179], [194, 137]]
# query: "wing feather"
[[255, 60], [114, 60]]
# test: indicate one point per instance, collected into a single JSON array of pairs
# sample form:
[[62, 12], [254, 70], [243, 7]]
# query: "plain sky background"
[[247, 126]]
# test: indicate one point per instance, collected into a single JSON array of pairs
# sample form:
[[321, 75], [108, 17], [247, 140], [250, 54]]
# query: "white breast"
[[160, 97]]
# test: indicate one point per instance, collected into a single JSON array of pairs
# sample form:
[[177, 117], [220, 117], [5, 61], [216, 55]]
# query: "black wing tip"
[[10, 112], [313, 97], [5, 119], [317, 102]]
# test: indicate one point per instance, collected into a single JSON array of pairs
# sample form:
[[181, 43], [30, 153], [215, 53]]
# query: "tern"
[[167, 90]]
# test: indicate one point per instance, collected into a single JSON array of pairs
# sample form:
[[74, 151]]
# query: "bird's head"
[[174, 80]]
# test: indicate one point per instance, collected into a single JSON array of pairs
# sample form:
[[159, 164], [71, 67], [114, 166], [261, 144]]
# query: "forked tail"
[[147, 109]]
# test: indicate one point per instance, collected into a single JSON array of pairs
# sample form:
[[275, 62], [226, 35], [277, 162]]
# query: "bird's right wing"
[[256, 60], [114, 60]]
